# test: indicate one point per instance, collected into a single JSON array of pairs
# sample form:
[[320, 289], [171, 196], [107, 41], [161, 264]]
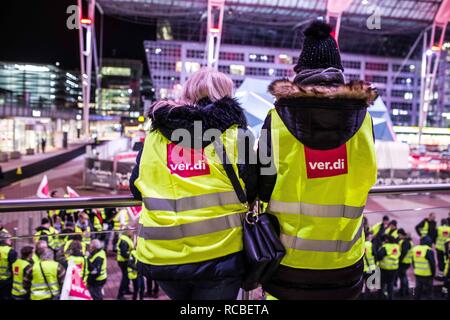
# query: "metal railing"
[[17, 205]]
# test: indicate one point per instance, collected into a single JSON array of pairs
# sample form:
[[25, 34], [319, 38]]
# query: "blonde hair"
[[205, 83], [209, 83]]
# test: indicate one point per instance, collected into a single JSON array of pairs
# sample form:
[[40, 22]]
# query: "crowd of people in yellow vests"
[[81, 236], [393, 251]]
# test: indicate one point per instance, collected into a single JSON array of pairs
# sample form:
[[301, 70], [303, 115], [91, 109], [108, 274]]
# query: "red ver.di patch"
[[326, 163], [186, 162]]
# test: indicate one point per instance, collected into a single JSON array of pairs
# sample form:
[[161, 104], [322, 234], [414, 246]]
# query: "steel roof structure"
[[279, 23]]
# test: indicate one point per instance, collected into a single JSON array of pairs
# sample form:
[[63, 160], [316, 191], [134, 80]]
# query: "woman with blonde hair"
[[190, 233]]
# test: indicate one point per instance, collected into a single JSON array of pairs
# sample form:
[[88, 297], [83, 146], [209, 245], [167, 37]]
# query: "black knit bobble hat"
[[320, 50]]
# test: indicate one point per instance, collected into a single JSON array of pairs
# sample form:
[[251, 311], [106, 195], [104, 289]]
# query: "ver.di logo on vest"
[[326, 163], [186, 162]]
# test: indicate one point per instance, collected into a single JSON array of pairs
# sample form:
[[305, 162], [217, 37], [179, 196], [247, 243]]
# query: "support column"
[[86, 36], [214, 32]]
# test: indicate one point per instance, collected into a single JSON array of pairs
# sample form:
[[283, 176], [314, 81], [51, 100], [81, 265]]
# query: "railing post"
[[30, 228], [15, 236]]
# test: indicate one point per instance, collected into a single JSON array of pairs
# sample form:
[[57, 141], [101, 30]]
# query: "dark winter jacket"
[[432, 229], [404, 249], [95, 268], [322, 116], [220, 115]]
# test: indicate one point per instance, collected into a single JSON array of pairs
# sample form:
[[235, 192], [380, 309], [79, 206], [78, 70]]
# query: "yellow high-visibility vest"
[[369, 259], [103, 272], [421, 264], [129, 241], [319, 197], [191, 212], [18, 269], [407, 259], [85, 238], [5, 268], [443, 234], [40, 290], [132, 268], [391, 259], [67, 246], [424, 229], [376, 228]]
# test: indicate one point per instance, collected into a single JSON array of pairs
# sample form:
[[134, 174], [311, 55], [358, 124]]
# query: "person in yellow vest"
[[73, 238], [378, 231], [77, 255], [47, 233], [19, 268], [392, 230], [97, 265], [369, 262], [318, 164], [424, 268], [7, 258], [446, 287], [45, 278], [40, 247], [136, 277], [388, 260], [405, 260], [125, 245], [190, 238], [443, 235], [427, 227], [120, 222], [83, 226]]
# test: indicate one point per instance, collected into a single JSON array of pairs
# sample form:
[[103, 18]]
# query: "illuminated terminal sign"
[[116, 71]]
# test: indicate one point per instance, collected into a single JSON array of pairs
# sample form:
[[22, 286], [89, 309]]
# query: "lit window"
[[284, 59], [237, 69], [191, 66], [178, 66]]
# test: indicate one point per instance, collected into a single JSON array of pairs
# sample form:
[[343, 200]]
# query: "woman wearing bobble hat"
[[321, 144]]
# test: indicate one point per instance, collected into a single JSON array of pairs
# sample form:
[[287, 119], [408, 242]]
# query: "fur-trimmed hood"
[[322, 117], [220, 115], [354, 90]]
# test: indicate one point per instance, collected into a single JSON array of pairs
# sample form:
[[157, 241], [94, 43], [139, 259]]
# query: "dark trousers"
[[226, 289], [5, 289], [152, 286], [95, 289], [387, 284], [403, 277], [441, 260], [424, 288], [114, 242], [138, 287], [124, 282]]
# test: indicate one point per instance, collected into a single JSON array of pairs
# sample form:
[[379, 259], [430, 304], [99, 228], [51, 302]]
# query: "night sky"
[[35, 31]]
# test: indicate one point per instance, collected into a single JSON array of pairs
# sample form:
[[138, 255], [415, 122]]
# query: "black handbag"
[[262, 246]]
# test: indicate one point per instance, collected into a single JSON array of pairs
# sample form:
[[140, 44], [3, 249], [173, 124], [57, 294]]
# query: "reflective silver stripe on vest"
[[41, 285], [293, 242], [316, 210], [192, 203], [191, 229]]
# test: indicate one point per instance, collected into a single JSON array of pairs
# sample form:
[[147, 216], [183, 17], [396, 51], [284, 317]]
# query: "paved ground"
[[408, 210]]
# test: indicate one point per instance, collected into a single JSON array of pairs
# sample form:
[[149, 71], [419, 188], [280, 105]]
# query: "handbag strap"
[[220, 150], [45, 279]]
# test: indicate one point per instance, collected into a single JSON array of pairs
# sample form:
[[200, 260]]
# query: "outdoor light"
[[158, 50], [429, 52], [365, 2], [130, 91], [86, 21]]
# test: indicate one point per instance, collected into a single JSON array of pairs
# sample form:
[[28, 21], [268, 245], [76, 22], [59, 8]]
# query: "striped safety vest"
[[369, 259], [18, 269], [5, 268], [407, 259], [132, 266], [443, 234], [391, 259], [129, 241], [40, 290], [320, 195], [191, 212], [103, 272], [421, 264]]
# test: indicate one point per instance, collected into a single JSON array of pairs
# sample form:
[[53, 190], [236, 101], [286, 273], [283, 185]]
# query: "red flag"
[[134, 212], [74, 287], [72, 193], [42, 191]]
